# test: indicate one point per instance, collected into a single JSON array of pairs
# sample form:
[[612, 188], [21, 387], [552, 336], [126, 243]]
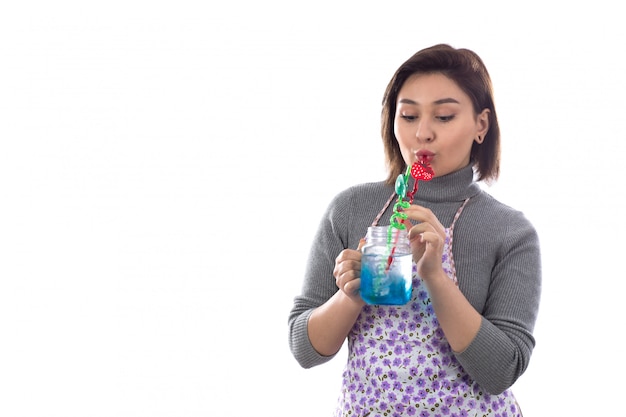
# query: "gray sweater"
[[498, 266]]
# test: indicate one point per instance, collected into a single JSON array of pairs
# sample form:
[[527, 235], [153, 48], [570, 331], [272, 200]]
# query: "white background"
[[164, 166]]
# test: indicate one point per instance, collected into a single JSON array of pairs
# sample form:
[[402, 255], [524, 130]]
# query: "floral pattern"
[[400, 364]]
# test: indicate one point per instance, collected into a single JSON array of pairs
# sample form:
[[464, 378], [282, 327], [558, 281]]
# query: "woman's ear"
[[482, 124]]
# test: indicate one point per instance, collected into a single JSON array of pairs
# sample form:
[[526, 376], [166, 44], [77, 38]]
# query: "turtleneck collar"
[[456, 186]]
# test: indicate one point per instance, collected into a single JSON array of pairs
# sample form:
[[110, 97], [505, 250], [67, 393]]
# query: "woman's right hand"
[[330, 323], [347, 272]]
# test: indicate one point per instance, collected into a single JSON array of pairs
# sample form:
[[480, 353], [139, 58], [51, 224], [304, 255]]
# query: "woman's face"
[[435, 121]]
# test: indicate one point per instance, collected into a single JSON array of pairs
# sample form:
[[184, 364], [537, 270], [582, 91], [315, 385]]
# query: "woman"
[[466, 335]]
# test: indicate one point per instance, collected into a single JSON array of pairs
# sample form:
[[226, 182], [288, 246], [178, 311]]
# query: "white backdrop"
[[164, 165]]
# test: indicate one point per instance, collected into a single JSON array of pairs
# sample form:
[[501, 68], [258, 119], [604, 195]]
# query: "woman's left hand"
[[427, 238]]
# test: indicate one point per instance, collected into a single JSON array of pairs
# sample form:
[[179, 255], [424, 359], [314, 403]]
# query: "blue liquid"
[[386, 287]]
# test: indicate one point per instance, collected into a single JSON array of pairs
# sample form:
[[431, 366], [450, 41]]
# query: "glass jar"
[[386, 267]]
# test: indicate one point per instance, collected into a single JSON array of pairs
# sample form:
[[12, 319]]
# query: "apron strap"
[[385, 207]]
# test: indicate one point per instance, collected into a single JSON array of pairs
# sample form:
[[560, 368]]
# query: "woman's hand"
[[347, 272], [427, 238], [330, 323]]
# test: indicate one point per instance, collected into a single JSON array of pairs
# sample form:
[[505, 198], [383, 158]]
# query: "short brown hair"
[[468, 71]]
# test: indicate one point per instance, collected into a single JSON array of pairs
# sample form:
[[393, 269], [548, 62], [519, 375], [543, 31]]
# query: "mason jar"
[[386, 267]]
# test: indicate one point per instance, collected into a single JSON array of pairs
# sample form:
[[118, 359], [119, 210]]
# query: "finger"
[[415, 231], [346, 273], [348, 255], [431, 239], [422, 215], [352, 287], [418, 247], [417, 213]]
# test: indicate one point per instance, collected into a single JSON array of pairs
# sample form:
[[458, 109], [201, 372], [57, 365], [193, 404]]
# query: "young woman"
[[466, 335]]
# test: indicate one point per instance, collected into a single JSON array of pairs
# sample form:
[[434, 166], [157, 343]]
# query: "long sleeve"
[[505, 249], [343, 224]]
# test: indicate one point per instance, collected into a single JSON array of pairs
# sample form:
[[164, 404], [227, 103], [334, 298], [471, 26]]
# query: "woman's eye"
[[408, 117], [445, 118]]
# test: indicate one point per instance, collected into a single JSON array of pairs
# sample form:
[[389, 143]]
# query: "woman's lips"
[[424, 157]]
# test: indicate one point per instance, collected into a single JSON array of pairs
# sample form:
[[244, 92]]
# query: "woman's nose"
[[424, 132]]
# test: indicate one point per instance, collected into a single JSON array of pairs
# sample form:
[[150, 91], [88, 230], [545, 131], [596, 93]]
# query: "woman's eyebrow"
[[447, 100], [436, 102]]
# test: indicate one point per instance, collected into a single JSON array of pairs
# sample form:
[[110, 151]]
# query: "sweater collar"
[[456, 186]]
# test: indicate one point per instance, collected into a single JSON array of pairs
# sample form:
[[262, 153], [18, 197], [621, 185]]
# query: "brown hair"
[[468, 71]]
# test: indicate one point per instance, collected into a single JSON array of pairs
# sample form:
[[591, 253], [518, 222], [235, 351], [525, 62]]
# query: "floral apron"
[[400, 363]]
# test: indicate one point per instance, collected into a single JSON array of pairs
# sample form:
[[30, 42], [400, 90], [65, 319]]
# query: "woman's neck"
[[456, 186]]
